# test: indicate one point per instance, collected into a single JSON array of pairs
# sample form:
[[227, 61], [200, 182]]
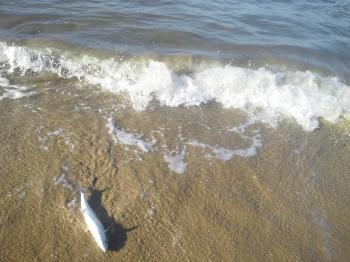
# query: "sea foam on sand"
[[119, 135]]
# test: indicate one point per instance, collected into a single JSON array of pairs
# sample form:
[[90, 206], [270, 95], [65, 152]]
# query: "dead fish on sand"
[[94, 224]]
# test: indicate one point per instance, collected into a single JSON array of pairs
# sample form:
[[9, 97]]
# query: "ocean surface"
[[200, 130]]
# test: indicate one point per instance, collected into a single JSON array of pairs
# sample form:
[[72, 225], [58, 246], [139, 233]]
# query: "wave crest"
[[304, 96]]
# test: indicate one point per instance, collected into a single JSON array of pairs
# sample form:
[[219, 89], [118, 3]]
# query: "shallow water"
[[201, 131]]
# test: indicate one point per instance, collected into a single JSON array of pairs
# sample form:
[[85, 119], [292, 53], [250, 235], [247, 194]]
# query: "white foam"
[[60, 132], [119, 135], [13, 91], [4, 82], [14, 94], [175, 160], [62, 180], [226, 154], [302, 96], [151, 211], [72, 204]]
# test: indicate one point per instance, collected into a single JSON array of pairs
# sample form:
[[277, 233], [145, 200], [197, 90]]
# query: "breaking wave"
[[304, 96]]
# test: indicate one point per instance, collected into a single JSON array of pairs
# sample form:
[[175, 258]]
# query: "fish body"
[[93, 223]]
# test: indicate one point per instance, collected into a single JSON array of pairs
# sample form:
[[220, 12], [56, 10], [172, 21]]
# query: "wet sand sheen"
[[289, 202]]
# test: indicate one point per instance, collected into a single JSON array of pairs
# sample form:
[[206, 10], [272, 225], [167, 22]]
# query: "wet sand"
[[290, 202]]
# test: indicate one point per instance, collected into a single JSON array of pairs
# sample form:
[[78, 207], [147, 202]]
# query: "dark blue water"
[[315, 34]]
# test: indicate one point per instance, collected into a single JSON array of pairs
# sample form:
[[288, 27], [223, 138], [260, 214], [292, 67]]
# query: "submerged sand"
[[290, 202]]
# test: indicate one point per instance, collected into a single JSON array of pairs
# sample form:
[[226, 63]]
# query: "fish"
[[94, 225]]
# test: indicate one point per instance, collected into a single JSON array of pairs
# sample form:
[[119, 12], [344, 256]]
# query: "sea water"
[[220, 128]]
